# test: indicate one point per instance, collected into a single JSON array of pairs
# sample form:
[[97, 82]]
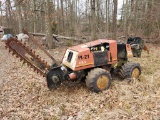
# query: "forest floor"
[[24, 94]]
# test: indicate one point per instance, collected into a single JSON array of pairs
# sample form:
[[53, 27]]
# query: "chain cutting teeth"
[[12, 53], [20, 50]]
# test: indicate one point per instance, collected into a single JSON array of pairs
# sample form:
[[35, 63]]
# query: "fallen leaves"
[[24, 94]]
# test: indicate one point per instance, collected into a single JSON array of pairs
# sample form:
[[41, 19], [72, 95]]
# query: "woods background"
[[24, 94], [89, 19]]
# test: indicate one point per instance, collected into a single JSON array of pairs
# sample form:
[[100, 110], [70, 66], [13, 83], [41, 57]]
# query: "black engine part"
[[55, 77]]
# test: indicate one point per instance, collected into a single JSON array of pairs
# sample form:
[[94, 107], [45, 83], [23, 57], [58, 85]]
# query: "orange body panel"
[[85, 46], [85, 60], [85, 57], [112, 54], [145, 48], [129, 51]]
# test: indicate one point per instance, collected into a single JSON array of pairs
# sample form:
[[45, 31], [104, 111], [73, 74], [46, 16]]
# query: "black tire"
[[98, 80], [130, 71]]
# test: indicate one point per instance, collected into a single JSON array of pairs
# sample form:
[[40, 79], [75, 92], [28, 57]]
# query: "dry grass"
[[24, 94]]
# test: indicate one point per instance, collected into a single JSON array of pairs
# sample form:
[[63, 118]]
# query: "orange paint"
[[113, 51], [85, 60], [85, 57], [129, 50], [145, 48], [72, 76]]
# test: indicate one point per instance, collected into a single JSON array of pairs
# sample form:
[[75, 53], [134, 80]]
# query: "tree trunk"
[[42, 25], [18, 9], [126, 18], [8, 2], [49, 38], [7, 16], [122, 18], [135, 17], [93, 20], [107, 17], [25, 21], [98, 16], [62, 15], [71, 4], [130, 18], [115, 20], [34, 16], [1, 20]]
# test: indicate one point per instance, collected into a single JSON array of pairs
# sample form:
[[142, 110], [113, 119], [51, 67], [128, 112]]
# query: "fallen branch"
[[59, 37]]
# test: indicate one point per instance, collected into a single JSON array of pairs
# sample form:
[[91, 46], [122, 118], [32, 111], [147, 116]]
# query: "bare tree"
[[19, 15], [115, 20], [1, 20], [93, 20], [49, 38], [62, 15], [34, 16], [107, 17]]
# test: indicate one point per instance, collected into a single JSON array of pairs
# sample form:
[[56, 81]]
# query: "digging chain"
[[27, 55]]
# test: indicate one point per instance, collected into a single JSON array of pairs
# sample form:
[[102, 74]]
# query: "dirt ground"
[[25, 96]]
